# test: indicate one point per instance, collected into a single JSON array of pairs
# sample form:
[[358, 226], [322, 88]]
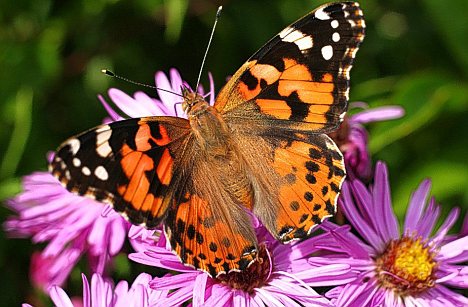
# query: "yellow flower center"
[[407, 266]]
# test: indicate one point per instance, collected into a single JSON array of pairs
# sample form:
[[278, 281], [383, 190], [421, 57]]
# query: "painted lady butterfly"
[[262, 147]]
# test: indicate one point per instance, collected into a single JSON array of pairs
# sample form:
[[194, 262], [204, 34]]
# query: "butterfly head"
[[191, 99]]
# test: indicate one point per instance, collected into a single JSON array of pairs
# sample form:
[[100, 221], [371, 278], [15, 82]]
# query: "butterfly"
[[261, 148]]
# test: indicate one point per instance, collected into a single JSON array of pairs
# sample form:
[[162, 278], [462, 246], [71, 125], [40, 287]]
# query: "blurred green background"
[[51, 52]]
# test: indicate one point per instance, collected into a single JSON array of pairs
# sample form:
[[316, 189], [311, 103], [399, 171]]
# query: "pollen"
[[407, 266], [255, 276]]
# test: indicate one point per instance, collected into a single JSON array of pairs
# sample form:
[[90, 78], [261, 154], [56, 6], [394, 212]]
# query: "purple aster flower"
[[71, 225], [418, 267], [74, 226], [283, 277], [351, 137], [141, 104], [102, 293]]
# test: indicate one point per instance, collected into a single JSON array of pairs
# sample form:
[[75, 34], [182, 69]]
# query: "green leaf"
[[175, 14], [422, 96], [446, 177], [9, 187], [20, 133], [451, 21]]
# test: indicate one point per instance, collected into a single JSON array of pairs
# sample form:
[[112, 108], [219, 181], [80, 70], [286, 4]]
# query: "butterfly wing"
[[300, 76], [278, 106], [205, 225], [128, 164], [298, 175]]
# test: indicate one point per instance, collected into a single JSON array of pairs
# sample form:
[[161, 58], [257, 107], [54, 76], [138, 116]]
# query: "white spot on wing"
[[104, 150], [86, 171], [102, 145], [335, 24], [103, 128], [76, 162], [304, 43], [342, 116], [327, 52], [320, 14], [101, 173], [285, 32], [74, 145], [293, 36], [336, 37], [103, 136]]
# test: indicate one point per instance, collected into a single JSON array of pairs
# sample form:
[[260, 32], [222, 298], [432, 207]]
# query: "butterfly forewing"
[[301, 76], [127, 164]]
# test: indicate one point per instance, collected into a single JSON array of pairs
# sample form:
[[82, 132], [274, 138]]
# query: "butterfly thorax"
[[214, 140], [210, 131]]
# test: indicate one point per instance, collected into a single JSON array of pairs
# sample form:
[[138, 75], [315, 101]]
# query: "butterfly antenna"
[[218, 13], [111, 74]]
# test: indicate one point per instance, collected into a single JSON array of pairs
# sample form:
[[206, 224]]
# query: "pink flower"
[[417, 267], [286, 276], [71, 226], [141, 104], [102, 293], [351, 137]]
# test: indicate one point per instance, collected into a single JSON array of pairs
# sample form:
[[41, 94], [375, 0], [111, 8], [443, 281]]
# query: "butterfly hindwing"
[[127, 164], [312, 170], [301, 76], [298, 178], [207, 241], [207, 226]]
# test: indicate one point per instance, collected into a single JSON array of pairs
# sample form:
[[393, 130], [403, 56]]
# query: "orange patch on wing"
[[147, 202], [308, 91], [269, 73], [164, 139], [265, 72], [289, 63], [130, 159], [135, 165], [297, 72], [164, 168], [143, 137], [247, 93], [276, 108], [327, 77]]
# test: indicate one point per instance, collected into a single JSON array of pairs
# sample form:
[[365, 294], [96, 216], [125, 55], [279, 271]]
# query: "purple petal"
[[212, 89], [59, 297], [354, 217], [175, 281], [128, 105], [416, 206], [378, 114], [453, 250], [267, 298], [113, 115], [446, 226], [199, 290], [429, 219], [239, 298], [86, 292], [387, 224], [220, 295]]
